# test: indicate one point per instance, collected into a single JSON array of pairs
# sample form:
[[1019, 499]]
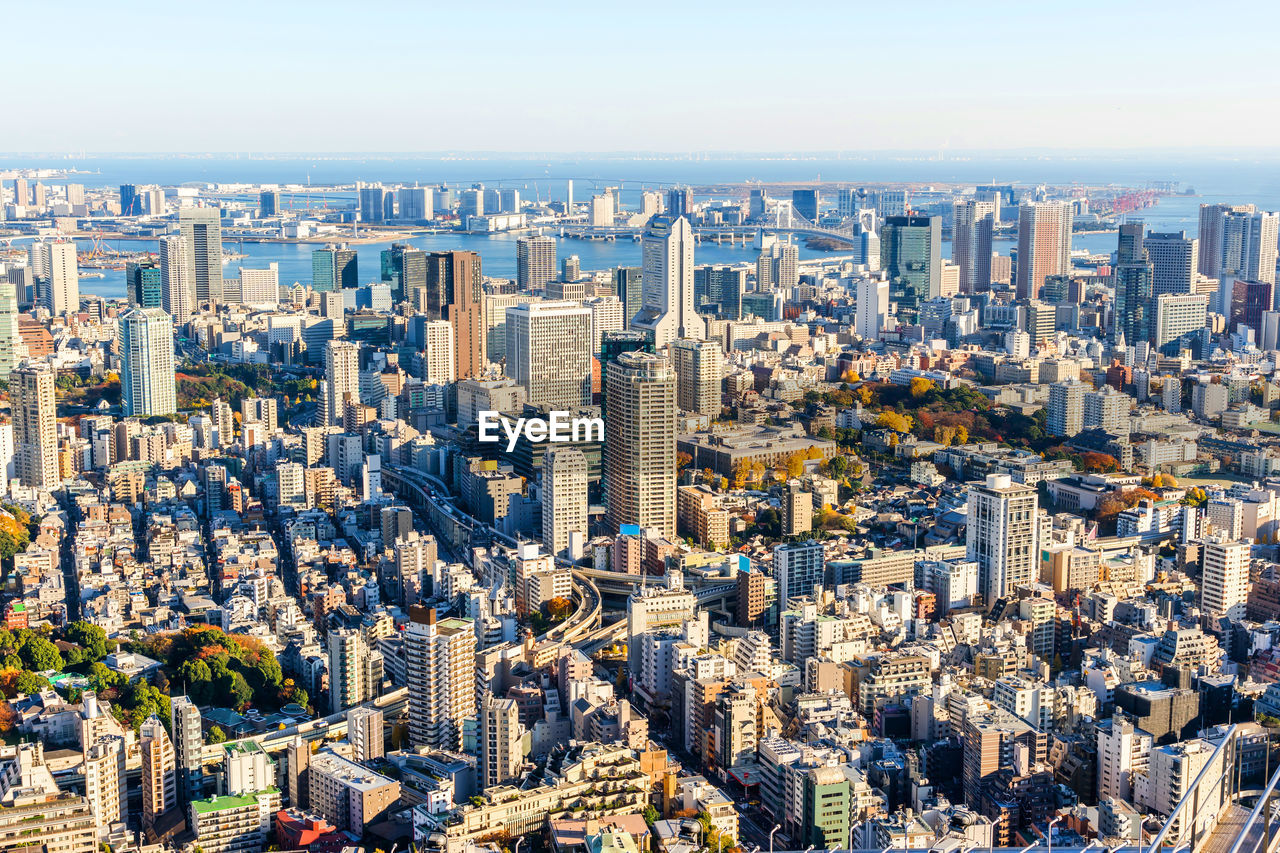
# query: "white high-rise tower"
[[667, 308]]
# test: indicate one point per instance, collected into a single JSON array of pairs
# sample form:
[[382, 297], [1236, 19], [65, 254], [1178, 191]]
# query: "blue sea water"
[[1215, 179]]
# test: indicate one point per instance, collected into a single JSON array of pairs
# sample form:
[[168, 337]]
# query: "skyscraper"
[[130, 201], [146, 363], [699, 367], [416, 204], [797, 567], [60, 293], [1249, 246], [334, 268], [549, 352], [348, 654], [188, 746], [667, 308], [1212, 222], [628, 284], [201, 230], [1225, 579], [535, 262], [910, 253], [105, 786], [971, 243], [1133, 277], [342, 380], [177, 288], [1177, 314], [268, 203], [159, 772], [11, 345], [144, 284], [872, 307], [564, 497], [441, 674], [1044, 245], [500, 742], [372, 204], [1249, 301], [35, 432], [640, 442], [1175, 262], [721, 288], [455, 292], [678, 202], [405, 268], [1001, 535], [805, 203]]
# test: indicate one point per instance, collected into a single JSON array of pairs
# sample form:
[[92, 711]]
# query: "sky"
[[678, 77]]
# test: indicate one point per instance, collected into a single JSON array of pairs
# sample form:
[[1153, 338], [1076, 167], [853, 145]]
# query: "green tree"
[[39, 654], [30, 682], [90, 637], [216, 735]]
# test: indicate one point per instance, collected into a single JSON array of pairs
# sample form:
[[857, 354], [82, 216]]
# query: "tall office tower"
[[260, 287], [1225, 579], [333, 268], [373, 204], [699, 369], [406, 269], [797, 568], [722, 288], [188, 747], [1001, 535], [347, 654], [1249, 301], [1249, 246], [549, 352], [11, 346], [455, 292], [628, 284], [268, 203], [564, 497], [75, 194], [147, 373], [872, 308], [415, 204], [35, 430], [640, 442], [61, 291], [159, 772], [130, 201], [1044, 245], [510, 201], [39, 195], [144, 284], [1066, 408], [678, 203], [342, 380], [438, 358], [104, 781], [178, 289], [1213, 219], [201, 230], [441, 674], [535, 262], [805, 203], [910, 253], [1175, 261], [1177, 314], [667, 308], [365, 732], [500, 741], [606, 316], [568, 196], [1133, 278], [971, 244]]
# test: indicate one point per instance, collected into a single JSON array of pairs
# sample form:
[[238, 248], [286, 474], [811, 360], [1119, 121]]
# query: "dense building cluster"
[[873, 549]]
